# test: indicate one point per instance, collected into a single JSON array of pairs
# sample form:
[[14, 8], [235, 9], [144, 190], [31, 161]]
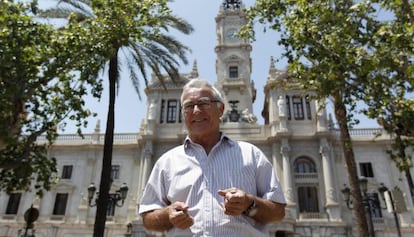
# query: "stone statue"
[[248, 117], [281, 104], [152, 109]]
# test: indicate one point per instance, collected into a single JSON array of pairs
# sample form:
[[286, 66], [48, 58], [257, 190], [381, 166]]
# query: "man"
[[211, 185]]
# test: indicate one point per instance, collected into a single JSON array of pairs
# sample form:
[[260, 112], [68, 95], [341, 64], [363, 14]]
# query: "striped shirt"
[[187, 174]]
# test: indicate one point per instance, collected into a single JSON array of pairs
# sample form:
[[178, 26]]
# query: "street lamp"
[[114, 198], [129, 230], [366, 201], [30, 216]]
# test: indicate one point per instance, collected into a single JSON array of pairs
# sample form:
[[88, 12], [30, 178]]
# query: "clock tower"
[[233, 63]]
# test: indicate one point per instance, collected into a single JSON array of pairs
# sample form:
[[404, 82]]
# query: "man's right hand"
[[178, 215]]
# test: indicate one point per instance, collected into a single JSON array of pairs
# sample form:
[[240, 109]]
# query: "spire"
[[272, 67], [272, 63], [98, 126], [194, 72]]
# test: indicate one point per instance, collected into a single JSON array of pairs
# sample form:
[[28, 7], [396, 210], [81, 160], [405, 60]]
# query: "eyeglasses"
[[202, 104]]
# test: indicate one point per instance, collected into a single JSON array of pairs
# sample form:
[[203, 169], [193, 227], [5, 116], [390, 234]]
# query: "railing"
[[131, 137], [378, 221], [306, 176], [91, 138], [312, 215], [369, 132]]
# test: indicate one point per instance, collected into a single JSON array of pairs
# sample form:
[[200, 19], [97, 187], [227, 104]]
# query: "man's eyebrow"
[[199, 99]]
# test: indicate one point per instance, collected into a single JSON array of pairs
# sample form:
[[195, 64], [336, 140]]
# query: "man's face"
[[201, 112]]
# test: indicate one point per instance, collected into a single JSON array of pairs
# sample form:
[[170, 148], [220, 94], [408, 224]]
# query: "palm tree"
[[124, 30]]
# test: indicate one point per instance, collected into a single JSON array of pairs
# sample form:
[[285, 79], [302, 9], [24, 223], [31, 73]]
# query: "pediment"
[[65, 186], [233, 58]]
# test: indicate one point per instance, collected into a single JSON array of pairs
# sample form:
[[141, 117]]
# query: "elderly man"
[[211, 185]]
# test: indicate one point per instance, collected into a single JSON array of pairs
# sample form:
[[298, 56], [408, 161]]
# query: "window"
[[67, 171], [365, 169], [180, 114], [297, 108], [304, 165], [110, 211], [233, 72], [115, 169], [308, 199], [289, 116], [172, 108], [280, 234], [373, 204], [13, 204], [162, 111], [60, 204], [308, 108]]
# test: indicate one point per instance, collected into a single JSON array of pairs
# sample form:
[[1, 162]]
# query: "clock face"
[[231, 34]]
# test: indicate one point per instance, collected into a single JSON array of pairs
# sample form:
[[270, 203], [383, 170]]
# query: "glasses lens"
[[202, 104]]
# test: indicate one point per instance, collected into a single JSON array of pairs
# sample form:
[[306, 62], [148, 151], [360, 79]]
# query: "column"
[[145, 167], [287, 179], [331, 204]]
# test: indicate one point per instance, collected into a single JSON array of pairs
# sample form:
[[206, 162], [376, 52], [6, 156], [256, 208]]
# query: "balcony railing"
[[97, 138], [133, 137]]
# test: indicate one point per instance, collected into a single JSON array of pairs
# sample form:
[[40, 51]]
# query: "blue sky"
[[201, 14]]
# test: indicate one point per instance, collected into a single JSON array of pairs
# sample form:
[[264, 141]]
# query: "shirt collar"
[[223, 139]]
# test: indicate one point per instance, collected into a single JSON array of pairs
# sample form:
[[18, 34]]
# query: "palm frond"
[[64, 8]]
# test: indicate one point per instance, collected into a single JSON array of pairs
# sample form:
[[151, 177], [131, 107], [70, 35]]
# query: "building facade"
[[297, 136]]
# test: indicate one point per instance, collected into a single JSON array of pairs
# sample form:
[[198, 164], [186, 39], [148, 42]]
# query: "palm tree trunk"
[[358, 206], [103, 199]]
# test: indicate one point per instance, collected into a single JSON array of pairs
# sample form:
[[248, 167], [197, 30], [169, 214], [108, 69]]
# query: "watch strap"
[[252, 209]]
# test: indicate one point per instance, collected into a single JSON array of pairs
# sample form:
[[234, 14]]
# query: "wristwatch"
[[252, 209]]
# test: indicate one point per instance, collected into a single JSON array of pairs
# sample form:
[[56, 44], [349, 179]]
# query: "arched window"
[[304, 165], [307, 185]]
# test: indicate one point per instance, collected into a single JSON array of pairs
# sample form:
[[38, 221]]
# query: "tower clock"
[[233, 64]]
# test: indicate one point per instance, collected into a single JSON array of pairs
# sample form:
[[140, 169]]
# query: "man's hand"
[[236, 201], [178, 215]]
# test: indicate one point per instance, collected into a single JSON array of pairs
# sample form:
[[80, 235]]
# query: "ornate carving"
[[284, 150], [232, 4], [248, 117]]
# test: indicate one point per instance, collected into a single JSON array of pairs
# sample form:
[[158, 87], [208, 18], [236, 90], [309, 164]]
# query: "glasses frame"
[[202, 104]]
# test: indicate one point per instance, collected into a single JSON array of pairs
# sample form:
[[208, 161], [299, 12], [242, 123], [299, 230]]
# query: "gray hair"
[[199, 83]]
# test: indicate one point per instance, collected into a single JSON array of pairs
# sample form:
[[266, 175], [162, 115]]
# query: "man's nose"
[[197, 106]]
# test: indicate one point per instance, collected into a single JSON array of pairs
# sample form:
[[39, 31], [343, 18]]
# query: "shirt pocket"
[[241, 179]]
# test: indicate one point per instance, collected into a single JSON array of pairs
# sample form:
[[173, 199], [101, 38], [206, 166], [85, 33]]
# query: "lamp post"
[[114, 198], [369, 202], [386, 195], [30, 216], [129, 230], [366, 201]]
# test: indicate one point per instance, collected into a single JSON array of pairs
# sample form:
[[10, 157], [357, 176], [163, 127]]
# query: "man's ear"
[[221, 108]]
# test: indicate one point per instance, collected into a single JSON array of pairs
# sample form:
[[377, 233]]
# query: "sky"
[[130, 110]]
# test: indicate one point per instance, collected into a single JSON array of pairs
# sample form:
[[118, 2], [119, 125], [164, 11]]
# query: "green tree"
[[38, 91], [327, 47], [137, 30], [390, 93]]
